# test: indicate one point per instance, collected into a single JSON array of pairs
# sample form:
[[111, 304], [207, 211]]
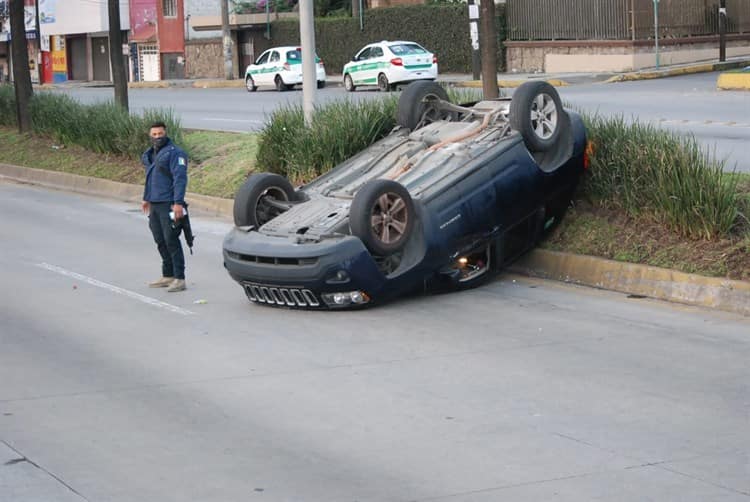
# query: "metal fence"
[[620, 19]]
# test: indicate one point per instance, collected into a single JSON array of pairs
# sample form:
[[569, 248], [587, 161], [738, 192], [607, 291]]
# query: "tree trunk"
[[119, 76], [21, 73], [488, 46], [355, 9]]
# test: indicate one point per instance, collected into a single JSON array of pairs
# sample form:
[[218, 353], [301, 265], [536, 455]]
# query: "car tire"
[[348, 83], [383, 84], [280, 85], [250, 84], [321, 84], [537, 113], [249, 206], [416, 104], [382, 215]]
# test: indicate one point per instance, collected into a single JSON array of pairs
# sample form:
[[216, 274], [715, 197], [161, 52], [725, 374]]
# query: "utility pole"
[[226, 40], [119, 77], [723, 30], [309, 75], [21, 73], [488, 45]]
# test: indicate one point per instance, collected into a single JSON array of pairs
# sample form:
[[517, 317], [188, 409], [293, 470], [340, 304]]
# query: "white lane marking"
[[703, 123], [120, 291]]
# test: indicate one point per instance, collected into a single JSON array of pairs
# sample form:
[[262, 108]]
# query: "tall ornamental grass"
[[101, 127], [639, 168], [338, 131]]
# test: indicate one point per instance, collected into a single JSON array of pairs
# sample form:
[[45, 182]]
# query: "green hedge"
[[442, 29]]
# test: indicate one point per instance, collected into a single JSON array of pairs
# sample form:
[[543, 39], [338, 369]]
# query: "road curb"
[[739, 81], [106, 188], [506, 83], [641, 280], [673, 72]]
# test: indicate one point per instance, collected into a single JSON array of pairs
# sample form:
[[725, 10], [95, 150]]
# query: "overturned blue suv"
[[448, 198]]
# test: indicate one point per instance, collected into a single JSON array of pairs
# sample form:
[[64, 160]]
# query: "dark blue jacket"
[[166, 174]]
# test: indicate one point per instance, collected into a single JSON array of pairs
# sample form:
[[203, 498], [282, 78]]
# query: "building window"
[[170, 8]]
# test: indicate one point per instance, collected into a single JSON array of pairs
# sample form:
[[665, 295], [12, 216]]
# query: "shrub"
[[339, 130], [637, 167], [101, 127], [7, 105]]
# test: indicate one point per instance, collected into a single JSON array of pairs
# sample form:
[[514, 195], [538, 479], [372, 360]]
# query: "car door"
[[273, 67], [358, 70], [256, 69], [377, 64]]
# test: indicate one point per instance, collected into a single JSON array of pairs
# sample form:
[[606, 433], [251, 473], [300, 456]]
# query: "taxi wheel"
[[348, 84], [280, 85], [250, 84], [383, 84]]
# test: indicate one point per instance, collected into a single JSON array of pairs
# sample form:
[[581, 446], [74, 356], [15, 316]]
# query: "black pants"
[[167, 240]]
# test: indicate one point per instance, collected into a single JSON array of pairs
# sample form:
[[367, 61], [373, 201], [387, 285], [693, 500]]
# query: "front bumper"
[[281, 272]]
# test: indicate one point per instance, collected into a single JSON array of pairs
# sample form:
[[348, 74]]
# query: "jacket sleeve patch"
[[181, 161]]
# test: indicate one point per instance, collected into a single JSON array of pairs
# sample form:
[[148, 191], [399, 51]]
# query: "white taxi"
[[281, 67], [387, 64]]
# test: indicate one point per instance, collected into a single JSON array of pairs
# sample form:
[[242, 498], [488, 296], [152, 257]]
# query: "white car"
[[387, 64], [282, 68]]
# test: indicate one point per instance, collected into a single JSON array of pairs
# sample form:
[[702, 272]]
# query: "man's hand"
[[146, 207], [178, 211]]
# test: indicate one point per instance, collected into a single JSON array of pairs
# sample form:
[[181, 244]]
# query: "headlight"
[[344, 298]]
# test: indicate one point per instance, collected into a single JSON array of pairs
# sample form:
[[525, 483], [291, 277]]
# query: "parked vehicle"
[[448, 198], [280, 67], [388, 64]]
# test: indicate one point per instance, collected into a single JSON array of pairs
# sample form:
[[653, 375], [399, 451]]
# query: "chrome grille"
[[283, 296]]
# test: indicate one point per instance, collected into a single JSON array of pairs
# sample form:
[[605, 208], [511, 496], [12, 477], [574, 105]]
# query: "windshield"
[[407, 49]]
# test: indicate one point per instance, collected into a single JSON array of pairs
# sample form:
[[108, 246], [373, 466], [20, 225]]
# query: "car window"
[[274, 56], [376, 52], [363, 54], [263, 59], [294, 56], [407, 49]]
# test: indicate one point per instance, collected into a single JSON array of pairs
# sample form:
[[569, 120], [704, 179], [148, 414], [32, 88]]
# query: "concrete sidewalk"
[[632, 279], [504, 80]]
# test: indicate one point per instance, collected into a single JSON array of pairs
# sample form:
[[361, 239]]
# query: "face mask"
[[159, 142]]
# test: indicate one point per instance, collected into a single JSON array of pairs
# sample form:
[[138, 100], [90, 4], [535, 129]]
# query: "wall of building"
[[615, 56], [172, 30], [197, 8], [205, 59], [68, 17]]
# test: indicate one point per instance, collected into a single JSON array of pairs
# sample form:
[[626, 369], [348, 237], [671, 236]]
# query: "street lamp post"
[[656, 31], [723, 30]]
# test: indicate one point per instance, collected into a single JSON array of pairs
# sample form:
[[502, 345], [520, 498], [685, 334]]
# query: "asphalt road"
[[519, 390], [689, 105]]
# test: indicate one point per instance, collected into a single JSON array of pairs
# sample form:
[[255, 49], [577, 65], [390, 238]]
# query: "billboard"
[[143, 20], [71, 17]]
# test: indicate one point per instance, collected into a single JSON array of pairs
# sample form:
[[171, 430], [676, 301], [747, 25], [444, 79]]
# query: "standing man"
[[164, 203]]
